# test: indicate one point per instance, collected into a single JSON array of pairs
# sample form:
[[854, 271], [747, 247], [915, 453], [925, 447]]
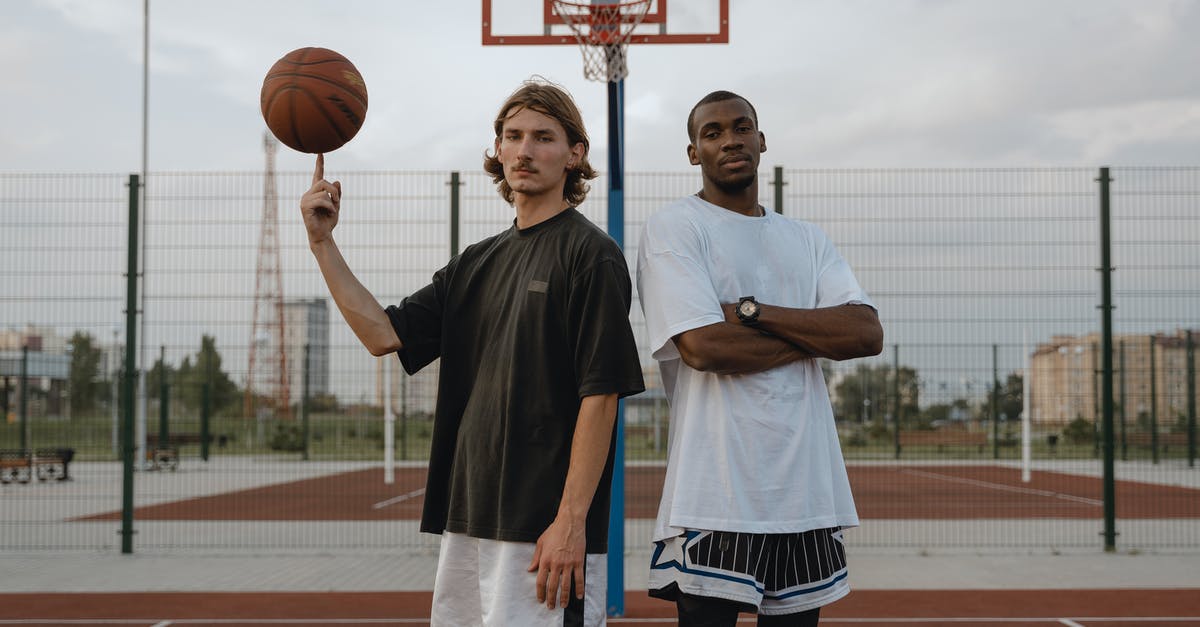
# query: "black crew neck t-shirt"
[[526, 322]]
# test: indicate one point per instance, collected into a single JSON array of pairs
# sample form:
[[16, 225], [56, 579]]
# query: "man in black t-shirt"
[[533, 332]]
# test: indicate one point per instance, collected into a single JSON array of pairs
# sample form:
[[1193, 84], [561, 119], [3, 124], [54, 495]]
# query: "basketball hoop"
[[603, 32]]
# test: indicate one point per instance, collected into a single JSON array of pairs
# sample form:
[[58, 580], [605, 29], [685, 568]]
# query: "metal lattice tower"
[[266, 377]]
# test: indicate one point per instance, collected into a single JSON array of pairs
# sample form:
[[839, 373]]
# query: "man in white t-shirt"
[[739, 303]]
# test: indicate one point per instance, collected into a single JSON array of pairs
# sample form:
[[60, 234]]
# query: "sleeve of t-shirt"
[[418, 323], [836, 284], [605, 352], [674, 286]]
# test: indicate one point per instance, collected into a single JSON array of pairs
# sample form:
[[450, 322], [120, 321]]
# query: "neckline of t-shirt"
[[532, 230], [731, 214]]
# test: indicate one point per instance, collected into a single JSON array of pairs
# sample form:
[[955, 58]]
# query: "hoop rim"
[[604, 22]]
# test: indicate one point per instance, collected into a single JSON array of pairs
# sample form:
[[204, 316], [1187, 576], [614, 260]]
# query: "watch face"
[[747, 307]]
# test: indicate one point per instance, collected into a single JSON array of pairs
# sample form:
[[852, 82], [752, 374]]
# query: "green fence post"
[[1153, 403], [455, 183], [23, 390], [129, 376], [205, 417], [995, 404], [1097, 400], [896, 396], [1106, 354], [778, 184], [304, 406], [1121, 365], [164, 400], [1191, 399]]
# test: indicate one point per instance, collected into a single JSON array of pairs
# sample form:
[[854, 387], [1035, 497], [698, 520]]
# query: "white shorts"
[[769, 574], [486, 583]]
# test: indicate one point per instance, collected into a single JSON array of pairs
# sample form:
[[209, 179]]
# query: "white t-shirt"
[[756, 452]]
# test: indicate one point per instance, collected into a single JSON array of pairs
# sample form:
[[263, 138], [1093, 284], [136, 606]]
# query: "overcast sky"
[[837, 83]]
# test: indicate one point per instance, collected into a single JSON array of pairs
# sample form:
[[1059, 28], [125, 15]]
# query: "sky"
[[837, 83]]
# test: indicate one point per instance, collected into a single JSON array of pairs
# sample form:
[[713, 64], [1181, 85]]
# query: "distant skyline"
[[852, 83]]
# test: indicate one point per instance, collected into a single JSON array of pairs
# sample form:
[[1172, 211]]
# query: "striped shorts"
[[767, 573]]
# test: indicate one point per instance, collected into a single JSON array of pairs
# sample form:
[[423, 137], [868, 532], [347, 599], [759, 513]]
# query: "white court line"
[[397, 499], [1004, 488], [1148, 620]]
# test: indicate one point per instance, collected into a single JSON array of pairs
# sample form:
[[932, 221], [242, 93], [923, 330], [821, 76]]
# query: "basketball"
[[314, 100]]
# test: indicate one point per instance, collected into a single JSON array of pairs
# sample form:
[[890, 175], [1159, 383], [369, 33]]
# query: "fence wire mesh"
[[986, 281]]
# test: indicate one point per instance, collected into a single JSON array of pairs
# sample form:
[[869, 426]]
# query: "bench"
[[44, 463], [165, 456], [1165, 440], [942, 439], [15, 466]]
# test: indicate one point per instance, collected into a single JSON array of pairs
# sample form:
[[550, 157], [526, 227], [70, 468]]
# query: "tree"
[[84, 389], [155, 377], [1010, 398], [206, 367], [874, 384]]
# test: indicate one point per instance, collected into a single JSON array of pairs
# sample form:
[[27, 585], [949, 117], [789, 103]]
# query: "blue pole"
[[616, 230]]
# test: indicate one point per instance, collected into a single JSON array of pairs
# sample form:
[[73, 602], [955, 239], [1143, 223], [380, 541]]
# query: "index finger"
[[319, 172]]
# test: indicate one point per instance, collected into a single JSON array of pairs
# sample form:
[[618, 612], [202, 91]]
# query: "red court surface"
[[961, 492], [882, 608]]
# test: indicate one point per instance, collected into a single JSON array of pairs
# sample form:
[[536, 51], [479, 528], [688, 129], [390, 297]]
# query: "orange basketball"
[[314, 100]]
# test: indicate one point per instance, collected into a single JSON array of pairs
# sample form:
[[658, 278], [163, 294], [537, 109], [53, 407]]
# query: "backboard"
[[534, 22]]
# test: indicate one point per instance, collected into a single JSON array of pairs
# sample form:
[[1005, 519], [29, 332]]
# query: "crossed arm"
[[783, 335]]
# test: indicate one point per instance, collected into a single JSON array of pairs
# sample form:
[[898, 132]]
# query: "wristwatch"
[[747, 310]]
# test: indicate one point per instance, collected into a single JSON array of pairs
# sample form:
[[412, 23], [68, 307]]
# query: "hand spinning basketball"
[[314, 100], [320, 205]]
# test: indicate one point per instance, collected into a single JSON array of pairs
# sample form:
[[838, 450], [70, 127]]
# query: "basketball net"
[[603, 32]]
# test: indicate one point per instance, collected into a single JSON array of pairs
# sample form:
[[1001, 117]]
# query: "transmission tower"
[[267, 376]]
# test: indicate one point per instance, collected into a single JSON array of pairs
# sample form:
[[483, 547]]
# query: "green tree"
[[867, 392], [206, 367], [1080, 431], [84, 388], [1010, 398], [155, 377]]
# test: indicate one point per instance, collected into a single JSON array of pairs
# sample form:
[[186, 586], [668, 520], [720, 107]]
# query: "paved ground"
[[367, 558], [90, 572]]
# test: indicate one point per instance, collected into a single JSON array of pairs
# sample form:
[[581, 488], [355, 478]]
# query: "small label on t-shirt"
[[538, 286]]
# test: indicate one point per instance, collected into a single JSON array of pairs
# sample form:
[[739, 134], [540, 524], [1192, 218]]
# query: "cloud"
[[1105, 133]]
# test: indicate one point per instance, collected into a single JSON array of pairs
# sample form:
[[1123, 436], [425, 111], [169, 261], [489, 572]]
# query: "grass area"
[[359, 436]]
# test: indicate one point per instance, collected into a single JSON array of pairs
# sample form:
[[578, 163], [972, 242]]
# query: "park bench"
[[15, 466], [1165, 440], [943, 439], [46, 463], [165, 455]]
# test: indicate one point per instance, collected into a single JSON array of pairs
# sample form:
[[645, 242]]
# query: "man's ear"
[[762, 142], [691, 150], [577, 153], [497, 145]]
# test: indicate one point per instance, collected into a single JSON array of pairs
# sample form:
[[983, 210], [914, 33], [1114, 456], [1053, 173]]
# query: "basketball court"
[[1007, 608], [931, 498], [911, 491]]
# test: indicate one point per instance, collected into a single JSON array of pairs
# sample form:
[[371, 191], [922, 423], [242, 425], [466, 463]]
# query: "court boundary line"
[[1000, 487], [899, 620]]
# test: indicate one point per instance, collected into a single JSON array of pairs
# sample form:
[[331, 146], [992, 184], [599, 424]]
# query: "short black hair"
[[716, 96]]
